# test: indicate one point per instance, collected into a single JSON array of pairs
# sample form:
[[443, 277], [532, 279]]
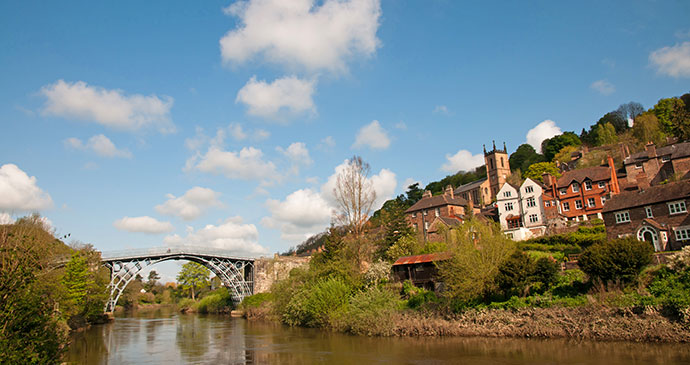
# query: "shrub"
[[218, 301], [370, 312], [186, 304], [317, 305], [545, 271], [672, 288], [515, 273], [256, 300], [618, 260]]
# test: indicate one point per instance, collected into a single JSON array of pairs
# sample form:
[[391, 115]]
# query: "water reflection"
[[168, 337]]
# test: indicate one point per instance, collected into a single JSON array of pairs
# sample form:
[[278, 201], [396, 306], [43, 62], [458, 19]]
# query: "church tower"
[[497, 168]]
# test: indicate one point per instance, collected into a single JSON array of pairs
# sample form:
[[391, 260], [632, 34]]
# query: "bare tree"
[[355, 195]]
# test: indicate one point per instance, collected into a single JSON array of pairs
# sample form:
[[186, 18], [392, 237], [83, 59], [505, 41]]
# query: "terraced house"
[[656, 214], [431, 212], [521, 210]]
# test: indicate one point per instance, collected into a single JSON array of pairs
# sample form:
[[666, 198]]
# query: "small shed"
[[419, 269]]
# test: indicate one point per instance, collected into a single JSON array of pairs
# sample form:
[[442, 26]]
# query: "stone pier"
[[269, 270]]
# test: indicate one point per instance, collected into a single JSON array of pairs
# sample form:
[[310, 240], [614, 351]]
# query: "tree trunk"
[[193, 293]]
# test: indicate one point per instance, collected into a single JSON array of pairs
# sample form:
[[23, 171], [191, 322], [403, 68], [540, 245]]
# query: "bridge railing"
[[173, 250]]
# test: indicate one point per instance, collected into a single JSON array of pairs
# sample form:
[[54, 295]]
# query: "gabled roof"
[[418, 259], [677, 150], [469, 186], [597, 173], [437, 201], [450, 221], [650, 195]]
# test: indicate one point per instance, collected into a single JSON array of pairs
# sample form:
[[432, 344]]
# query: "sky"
[[131, 124]]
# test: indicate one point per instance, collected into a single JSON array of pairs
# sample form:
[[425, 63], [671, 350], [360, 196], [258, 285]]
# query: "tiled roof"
[[418, 259], [469, 186], [650, 195], [437, 201], [677, 150], [596, 173], [451, 221]]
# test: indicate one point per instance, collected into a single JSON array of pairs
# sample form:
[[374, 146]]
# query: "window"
[[682, 233], [677, 207], [509, 235], [533, 218], [501, 161], [414, 215], [531, 202], [426, 226], [416, 227], [591, 203], [578, 204], [566, 206], [648, 212], [666, 158], [576, 187], [564, 191], [547, 204], [588, 185], [506, 194], [509, 206], [602, 184], [438, 211], [529, 189], [622, 217], [603, 200], [638, 165], [425, 212]]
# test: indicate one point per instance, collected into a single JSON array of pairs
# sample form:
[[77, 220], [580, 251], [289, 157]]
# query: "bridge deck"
[[161, 252]]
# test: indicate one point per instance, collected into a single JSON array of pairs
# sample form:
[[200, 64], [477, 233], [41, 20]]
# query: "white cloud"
[[247, 164], [384, 184], [301, 34], [261, 134], [542, 131], [283, 98], [191, 205], [298, 155], [19, 192], [401, 125], [463, 160], [231, 235], [99, 144], [373, 136], [6, 218], [111, 108], [441, 109], [409, 181], [604, 87], [237, 132], [143, 224], [301, 215], [326, 143], [673, 61]]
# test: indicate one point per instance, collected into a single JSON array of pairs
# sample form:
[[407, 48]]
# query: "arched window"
[[491, 164], [648, 234], [502, 162]]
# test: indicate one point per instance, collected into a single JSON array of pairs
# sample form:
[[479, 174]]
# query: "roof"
[[436, 201], [450, 221], [650, 195], [419, 259], [596, 173], [469, 186], [677, 150]]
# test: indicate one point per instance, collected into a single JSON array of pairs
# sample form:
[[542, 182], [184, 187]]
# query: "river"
[[165, 337]]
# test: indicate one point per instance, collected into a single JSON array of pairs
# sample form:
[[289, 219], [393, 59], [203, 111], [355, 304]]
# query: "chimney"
[[615, 189], [449, 191], [651, 150], [641, 180], [426, 194], [548, 179]]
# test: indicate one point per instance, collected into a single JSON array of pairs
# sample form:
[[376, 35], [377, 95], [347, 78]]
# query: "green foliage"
[[551, 146], [456, 180], [563, 156], [405, 246], [617, 260], [317, 305], [664, 111], [217, 301], [672, 290], [536, 170], [77, 280], [605, 134], [193, 276], [648, 129], [186, 303], [256, 300], [515, 273], [523, 157], [371, 312]]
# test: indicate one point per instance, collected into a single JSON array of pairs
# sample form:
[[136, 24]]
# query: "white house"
[[521, 210]]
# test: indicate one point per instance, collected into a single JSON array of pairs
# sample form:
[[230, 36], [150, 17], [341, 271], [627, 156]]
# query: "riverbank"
[[597, 323]]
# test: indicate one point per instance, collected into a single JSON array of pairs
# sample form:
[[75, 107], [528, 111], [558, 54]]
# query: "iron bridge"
[[236, 273]]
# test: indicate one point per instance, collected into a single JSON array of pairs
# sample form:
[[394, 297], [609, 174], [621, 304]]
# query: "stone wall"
[[269, 270]]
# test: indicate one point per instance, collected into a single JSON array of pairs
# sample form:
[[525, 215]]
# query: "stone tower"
[[497, 168]]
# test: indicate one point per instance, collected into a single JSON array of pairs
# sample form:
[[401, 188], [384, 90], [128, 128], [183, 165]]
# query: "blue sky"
[[137, 124]]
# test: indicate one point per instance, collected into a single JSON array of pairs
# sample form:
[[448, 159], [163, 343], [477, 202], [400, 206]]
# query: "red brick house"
[[656, 214], [425, 212], [580, 194], [655, 165]]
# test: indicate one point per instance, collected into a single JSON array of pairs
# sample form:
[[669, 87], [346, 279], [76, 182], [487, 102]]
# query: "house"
[[580, 194], [655, 165], [483, 192], [419, 269], [426, 211], [521, 210], [656, 214]]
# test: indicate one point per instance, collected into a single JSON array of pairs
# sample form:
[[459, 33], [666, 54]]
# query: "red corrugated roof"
[[418, 259]]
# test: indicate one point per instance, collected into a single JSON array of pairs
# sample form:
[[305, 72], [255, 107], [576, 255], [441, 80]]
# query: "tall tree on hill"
[[605, 134], [551, 146], [523, 157], [680, 119], [355, 195], [664, 111], [648, 129], [536, 171], [413, 194], [629, 111]]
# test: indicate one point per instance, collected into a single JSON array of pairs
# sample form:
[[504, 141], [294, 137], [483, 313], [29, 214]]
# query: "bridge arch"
[[236, 273]]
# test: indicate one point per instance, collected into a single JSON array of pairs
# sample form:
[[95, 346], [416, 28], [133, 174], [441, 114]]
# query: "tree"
[[605, 134], [621, 259], [77, 281], [551, 146], [664, 110], [648, 129], [616, 120], [629, 111], [536, 171], [523, 157], [563, 156], [152, 280], [355, 195], [193, 276], [413, 194], [680, 119]]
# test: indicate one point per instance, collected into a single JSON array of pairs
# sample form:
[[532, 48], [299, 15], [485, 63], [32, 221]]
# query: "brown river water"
[[165, 337]]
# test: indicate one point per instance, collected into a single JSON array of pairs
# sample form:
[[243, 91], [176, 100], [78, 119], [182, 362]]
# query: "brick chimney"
[[615, 188], [449, 192], [426, 194], [641, 180], [651, 150], [548, 180]]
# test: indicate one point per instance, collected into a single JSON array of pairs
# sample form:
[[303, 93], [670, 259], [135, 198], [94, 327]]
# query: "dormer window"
[[507, 194], [564, 191], [576, 187], [588, 185], [666, 158], [529, 189], [602, 184]]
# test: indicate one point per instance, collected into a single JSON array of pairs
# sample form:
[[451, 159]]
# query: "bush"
[[672, 289], [218, 301], [370, 312], [515, 273], [317, 305], [546, 271], [256, 300], [186, 304], [618, 260]]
